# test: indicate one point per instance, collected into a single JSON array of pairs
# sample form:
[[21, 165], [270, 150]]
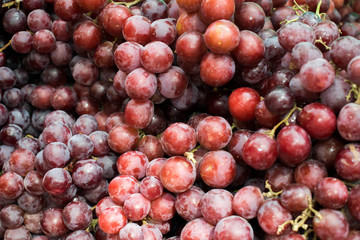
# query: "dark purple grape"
[[87, 174], [77, 215]]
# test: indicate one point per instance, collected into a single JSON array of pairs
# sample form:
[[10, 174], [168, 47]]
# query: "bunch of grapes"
[[180, 119]]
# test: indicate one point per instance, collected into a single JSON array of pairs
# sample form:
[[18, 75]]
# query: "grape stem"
[[298, 7], [4, 47], [271, 133], [354, 89], [128, 4], [271, 193], [141, 134], [299, 222], [322, 43], [289, 21], [92, 226], [70, 166], [306, 234], [9, 4], [190, 155], [316, 213]]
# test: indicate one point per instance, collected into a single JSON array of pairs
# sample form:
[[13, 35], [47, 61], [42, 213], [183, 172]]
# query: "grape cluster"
[[180, 119]]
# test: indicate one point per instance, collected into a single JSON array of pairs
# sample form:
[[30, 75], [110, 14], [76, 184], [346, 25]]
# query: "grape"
[[14, 20], [56, 154], [293, 144], [131, 231], [178, 138], [343, 49], [313, 118], [279, 176], [137, 29], [190, 21], [10, 134], [12, 185], [151, 187], [39, 19], [52, 223], [22, 161], [260, 151], [310, 173], [87, 174], [156, 57], [296, 197], [288, 35], [190, 46], [163, 208], [197, 229], [242, 104], [317, 75], [32, 222], [271, 215], [211, 10], [121, 187], [345, 122], [218, 169], [63, 98], [100, 141], [216, 70], [331, 225], [77, 215], [21, 42], [224, 43], [123, 138], [112, 220], [216, 204], [172, 83], [353, 202], [233, 227], [33, 183], [12, 216], [151, 232], [213, 133], [187, 204], [140, 84], [247, 201], [250, 16], [250, 50], [80, 146], [177, 174], [57, 181], [132, 163], [163, 30], [279, 100], [138, 114], [331, 193], [17, 233], [80, 234], [136, 207], [346, 164], [31, 203], [151, 147]]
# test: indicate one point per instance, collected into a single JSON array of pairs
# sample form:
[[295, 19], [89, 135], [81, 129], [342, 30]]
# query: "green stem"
[[298, 7], [318, 9], [128, 4], [271, 133], [4, 47]]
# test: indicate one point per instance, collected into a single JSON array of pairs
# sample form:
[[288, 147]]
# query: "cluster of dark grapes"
[[180, 119]]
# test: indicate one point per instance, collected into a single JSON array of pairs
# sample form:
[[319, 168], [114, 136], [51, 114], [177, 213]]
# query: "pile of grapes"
[[180, 119]]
